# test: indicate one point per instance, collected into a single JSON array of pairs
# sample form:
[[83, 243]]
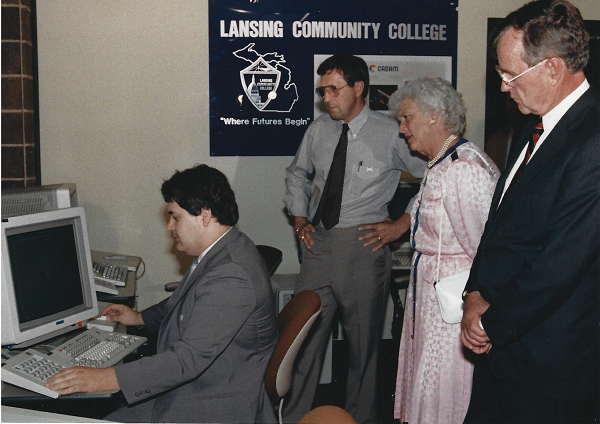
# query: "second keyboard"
[[111, 273]]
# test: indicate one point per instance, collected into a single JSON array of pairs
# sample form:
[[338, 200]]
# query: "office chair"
[[293, 324], [271, 255], [327, 414], [398, 282]]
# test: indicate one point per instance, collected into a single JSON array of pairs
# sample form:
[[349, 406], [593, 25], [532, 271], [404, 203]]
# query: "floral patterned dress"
[[434, 369]]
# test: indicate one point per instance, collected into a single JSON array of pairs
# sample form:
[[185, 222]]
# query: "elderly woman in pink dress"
[[434, 370]]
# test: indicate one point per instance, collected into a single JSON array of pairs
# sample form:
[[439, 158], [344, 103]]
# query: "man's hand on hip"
[[384, 232], [303, 230]]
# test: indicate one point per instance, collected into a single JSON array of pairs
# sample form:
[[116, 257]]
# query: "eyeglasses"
[[331, 89], [510, 82]]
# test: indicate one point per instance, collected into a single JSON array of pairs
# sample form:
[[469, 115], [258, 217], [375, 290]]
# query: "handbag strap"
[[437, 274]]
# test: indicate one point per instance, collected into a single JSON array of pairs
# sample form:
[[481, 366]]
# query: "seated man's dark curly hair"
[[202, 187]]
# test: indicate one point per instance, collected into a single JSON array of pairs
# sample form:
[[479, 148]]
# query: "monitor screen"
[[47, 282]]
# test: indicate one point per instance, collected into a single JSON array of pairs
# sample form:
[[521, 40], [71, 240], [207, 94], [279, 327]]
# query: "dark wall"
[[20, 150]]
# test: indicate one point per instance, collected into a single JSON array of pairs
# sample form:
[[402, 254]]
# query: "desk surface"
[[12, 392], [21, 415]]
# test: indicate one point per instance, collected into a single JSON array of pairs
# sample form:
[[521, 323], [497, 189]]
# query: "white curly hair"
[[433, 95]]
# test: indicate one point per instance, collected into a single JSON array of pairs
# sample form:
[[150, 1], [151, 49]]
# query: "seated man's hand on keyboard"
[[123, 314], [84, 380]]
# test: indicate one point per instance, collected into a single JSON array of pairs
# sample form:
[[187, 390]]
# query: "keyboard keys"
[[111, 273], [37, 367]]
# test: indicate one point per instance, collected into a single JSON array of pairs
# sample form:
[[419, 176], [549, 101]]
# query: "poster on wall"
[[263, 56]]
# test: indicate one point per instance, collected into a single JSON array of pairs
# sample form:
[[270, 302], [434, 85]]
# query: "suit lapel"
[[519, 146], [188, 282]]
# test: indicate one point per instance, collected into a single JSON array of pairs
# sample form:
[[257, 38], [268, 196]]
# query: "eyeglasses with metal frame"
[[331, 89], [510, 82]]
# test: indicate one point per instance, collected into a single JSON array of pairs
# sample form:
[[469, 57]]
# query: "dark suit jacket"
[[538, 263], [216, 333]]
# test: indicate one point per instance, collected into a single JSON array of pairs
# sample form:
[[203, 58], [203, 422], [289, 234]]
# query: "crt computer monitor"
[[28, 200], [47, 276]]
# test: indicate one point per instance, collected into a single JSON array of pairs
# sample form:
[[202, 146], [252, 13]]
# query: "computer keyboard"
[[402, 257], [31, 370], [112, 273], [105, 286], [94, 348]]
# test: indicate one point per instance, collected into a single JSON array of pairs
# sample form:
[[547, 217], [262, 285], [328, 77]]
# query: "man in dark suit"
[[532, 299], [216, 332]]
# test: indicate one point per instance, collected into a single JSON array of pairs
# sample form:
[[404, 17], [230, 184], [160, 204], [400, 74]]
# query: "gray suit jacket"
[[216, 334]]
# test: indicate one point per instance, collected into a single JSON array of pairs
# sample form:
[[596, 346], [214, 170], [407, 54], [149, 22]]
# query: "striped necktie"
[[537, 132]]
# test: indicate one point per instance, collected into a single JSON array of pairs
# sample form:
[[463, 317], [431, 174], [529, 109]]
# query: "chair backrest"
[[272, 257], [327, 414], [293, 324]]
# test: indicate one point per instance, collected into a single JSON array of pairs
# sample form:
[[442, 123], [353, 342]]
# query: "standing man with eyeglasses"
[[344, 174], [532, 305]]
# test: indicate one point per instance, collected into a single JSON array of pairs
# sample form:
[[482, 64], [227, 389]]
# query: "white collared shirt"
[[376, 155], [549, 121]]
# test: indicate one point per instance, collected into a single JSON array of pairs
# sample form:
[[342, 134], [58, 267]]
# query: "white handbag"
[[449, 295]]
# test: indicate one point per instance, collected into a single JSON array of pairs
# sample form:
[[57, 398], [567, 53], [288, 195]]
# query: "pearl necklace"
[[441, 152]]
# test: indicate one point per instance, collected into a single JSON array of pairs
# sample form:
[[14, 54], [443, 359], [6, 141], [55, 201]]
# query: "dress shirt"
[[549, 121], [376, 156]]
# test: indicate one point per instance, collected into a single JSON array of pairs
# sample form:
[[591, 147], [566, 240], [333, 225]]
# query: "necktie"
[[193, 265], [188, 274], [331, 200], [536, 133]]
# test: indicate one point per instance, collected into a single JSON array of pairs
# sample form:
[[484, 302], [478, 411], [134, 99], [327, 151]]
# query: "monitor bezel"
[[13, 332]]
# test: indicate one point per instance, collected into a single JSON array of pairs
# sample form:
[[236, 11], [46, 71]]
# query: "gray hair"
[[434, 95], [550, 28]]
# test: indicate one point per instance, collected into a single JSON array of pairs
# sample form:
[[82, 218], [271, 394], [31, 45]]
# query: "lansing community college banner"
[[264, 55]]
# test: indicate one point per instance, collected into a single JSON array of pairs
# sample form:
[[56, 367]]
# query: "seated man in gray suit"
[[216, 332]]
